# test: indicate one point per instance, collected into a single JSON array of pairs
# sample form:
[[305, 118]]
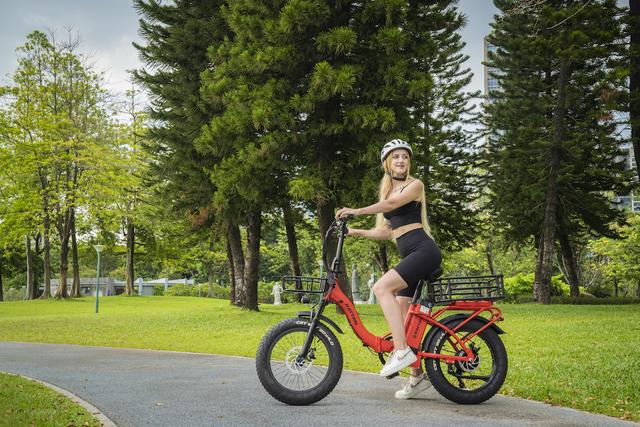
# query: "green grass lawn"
[[584, 357], [27, 403]]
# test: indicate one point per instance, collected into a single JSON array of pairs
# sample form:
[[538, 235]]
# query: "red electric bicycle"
[[299, 360]]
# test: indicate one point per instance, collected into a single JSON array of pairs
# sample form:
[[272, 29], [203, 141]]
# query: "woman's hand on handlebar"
[[346, 212]]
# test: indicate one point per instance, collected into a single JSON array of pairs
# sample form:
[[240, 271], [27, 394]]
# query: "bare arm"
[[412, 191], [383, 233]]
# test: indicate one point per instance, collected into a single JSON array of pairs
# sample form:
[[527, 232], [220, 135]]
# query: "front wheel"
[[467, 382], [293, 381]]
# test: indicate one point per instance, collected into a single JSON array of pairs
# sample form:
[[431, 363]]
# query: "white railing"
[[109, 286]]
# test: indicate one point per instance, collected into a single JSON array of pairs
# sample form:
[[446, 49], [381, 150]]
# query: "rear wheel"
[[292, 380], [467, 382]]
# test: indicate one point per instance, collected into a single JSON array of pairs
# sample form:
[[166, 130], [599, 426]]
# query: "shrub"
[[158, 290], [13, 294], [519, 288], [181, 290], [264, 292], [594, 301], [220, 292]]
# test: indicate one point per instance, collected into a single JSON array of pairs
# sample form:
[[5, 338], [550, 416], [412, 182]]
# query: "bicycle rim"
[[297, 375], [475, 374]]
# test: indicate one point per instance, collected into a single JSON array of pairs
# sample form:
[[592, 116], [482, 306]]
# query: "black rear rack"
[[472, 288]]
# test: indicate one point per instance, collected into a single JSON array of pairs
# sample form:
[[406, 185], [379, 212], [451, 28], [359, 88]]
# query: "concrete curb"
[[97, 414]]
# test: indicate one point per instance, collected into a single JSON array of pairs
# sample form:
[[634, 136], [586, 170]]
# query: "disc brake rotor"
[[470, 365], [295, 366]]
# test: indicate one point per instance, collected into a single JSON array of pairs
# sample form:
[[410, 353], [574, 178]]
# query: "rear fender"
[[456, 318]]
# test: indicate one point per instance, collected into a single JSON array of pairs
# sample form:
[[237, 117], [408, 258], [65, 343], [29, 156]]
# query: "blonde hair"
[[386, 184]]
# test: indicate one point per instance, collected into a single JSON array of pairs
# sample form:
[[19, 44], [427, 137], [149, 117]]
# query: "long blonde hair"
[[386, 184]]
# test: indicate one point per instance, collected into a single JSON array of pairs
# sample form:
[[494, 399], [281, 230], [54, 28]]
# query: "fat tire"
[[298, 397], [455, 394]]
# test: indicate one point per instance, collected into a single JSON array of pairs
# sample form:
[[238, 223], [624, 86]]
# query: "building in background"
[[490, 82]]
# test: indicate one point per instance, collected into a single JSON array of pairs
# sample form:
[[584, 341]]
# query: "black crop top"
[[407, 214]]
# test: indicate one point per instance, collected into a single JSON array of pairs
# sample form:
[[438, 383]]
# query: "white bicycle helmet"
[[394, 144]]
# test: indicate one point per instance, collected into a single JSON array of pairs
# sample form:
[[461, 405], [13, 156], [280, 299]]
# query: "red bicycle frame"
[[416, 322]]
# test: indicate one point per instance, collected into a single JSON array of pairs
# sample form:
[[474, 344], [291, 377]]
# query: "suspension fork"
[[315, 318]]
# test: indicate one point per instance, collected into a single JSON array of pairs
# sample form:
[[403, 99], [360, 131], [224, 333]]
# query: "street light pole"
[[98, 249]]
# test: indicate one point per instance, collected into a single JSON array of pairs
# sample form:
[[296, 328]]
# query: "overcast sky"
[[107, 28]]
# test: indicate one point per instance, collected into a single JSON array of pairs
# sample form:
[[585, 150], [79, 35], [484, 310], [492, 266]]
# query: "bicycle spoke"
[[294, 374]]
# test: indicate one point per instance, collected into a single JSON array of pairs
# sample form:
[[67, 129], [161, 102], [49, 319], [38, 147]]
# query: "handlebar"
[[341, 225]]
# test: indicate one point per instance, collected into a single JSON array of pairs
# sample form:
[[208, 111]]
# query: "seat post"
[[418, 292]]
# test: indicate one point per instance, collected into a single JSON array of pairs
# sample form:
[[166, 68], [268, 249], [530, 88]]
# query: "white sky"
[[107, 28]]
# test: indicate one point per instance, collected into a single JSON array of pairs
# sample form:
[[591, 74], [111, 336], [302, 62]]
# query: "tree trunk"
[[64, 231], [210, 275], [326, 215], [62, 292], [382, 258], [536, 286], [638, 289], [131, 250], [488, 250], [252, 261], [232, 278], [46, 247], [569, 261], [235, 245], [615, 285], [547, 242], [75, 287], [210, 267], [289, 225], [32, 289], [634, 79]]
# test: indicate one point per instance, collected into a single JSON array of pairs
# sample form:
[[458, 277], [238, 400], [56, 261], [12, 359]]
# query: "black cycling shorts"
[[420, 257]]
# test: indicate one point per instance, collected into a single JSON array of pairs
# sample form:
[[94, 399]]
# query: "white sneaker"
[[399, 359], [409, 391]]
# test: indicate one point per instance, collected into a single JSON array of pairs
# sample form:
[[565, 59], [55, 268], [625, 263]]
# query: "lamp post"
[[98, 249]]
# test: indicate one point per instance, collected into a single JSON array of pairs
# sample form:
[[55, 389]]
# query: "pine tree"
[[177, 38], [634, 78], [317, 88], [552, 146]]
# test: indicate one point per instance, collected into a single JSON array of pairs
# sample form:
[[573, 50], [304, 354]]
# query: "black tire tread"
[[454, 393], [293, 397]]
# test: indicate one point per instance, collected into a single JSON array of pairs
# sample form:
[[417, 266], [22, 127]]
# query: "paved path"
[[158, 388]]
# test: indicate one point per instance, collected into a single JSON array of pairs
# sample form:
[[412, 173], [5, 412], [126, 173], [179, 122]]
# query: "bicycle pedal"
[[395, 374]]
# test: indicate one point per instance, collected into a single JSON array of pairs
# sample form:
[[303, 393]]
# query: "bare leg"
[[385, 290], [404, 303]]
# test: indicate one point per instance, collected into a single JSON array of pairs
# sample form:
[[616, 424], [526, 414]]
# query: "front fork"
[[315, 318]]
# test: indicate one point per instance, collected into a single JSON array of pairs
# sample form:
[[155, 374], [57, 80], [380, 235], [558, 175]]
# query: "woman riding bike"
[[401, 216]]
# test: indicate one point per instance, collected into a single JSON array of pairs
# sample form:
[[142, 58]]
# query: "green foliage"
[[158, 290], [531, 123], [13, 294], [617, 261], [201, 290], [586, 300], [183, 290], [519, 287], [220, 292]]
